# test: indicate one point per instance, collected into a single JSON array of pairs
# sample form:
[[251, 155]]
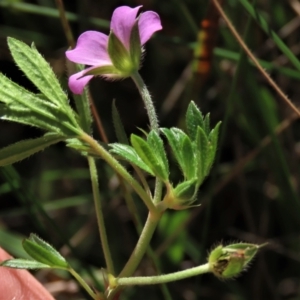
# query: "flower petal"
[[122, 21], [91, 49], [149, 22], [77, 82]]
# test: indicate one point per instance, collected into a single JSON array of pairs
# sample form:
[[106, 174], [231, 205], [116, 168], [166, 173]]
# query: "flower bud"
[[229, 261], [182, 196]]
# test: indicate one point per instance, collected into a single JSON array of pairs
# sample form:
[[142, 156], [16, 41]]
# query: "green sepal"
[[34, 66], [182, 196], [193, 119], [186, 191], [23, 149], [104, 70], [119, 55], [149, 157], [135, 45], [19, 263], [188, 162], [129, 154], [214, 255], [157, 145], [246, 250], [44, 253], [118, 125]]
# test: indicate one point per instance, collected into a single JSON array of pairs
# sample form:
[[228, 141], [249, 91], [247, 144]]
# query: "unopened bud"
[[182, 196], [229, 261]]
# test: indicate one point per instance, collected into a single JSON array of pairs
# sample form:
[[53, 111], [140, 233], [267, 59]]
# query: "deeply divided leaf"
[[201, 150], [130, 155], [23, 149], [22, 106], [180, 137], [19, 263], [31, 62], [149, 157], [213, 141], [193, 119], [156, 143], [43, 252], [34, 238], [206, 124], [18, 98], [188, 159], [173, 142], [175, 137]]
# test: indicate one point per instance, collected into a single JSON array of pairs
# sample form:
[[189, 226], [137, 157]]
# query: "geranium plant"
[[115, 56]]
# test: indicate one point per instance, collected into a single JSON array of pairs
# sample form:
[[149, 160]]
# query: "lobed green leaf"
[[149, 157], [14, 95], [213, 143], [27, 118], [206, 124], [175, 137], [23, 149], [193, 119], [201, 151], [43, 252], [130, 155], [25, 107], [157, 145], [188, 162], [34, 66], [19, 263]]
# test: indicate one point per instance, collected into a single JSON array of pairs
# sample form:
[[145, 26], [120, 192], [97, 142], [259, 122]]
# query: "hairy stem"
[[139, 250], [164, 278], [119, 169], [147, 100], [153, 123], [83, 283]]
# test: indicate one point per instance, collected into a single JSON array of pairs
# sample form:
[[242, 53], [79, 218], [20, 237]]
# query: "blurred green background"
[[252, 193]]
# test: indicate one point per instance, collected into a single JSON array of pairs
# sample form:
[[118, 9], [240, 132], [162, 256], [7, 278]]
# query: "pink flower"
[[117, 55]]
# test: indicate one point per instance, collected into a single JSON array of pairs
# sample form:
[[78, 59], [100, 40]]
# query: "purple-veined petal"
[[77, 82], [91, 49], [122, 21], [149, 22]]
